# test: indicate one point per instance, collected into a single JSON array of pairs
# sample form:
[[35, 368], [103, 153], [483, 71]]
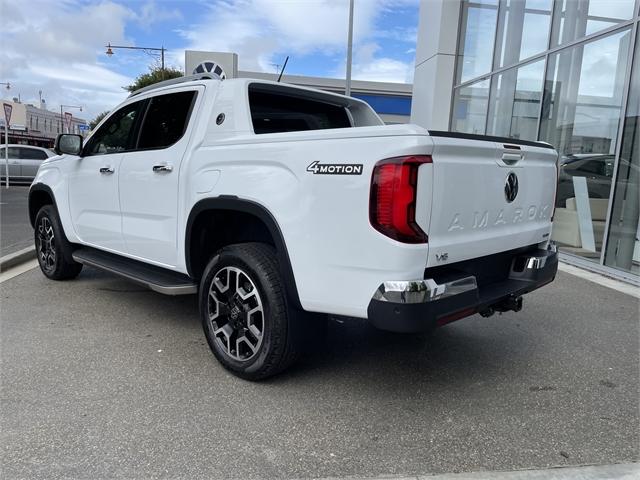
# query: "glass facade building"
[[566, 72]]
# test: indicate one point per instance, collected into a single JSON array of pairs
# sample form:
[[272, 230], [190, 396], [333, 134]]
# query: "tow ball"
[[509, 304]]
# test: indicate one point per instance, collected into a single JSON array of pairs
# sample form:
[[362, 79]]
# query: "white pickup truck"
[[278, 203]]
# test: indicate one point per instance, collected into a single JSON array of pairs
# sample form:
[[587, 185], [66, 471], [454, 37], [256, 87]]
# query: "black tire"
[[52, 247], [232, 316]]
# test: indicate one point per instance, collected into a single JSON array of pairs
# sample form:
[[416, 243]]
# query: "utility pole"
[[347, 90], [8, 108]]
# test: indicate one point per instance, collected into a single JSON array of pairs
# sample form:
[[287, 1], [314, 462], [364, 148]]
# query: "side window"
[[32, 154], [14, 152], [166, 120], [592, 167], [117, 134], [275, 110]]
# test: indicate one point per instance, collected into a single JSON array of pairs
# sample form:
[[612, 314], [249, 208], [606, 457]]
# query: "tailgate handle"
[[511, 158]]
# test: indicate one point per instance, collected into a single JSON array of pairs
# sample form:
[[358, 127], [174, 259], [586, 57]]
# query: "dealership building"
[[566, 72]]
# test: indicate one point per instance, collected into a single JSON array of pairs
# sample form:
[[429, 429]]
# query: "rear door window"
[[166, 120], [14, 152], [32, 154]]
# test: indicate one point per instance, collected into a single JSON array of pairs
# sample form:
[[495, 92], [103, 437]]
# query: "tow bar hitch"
[[509, 304]]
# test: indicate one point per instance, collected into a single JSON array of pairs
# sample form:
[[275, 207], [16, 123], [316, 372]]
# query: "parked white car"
[[280, 204], [24, 161]]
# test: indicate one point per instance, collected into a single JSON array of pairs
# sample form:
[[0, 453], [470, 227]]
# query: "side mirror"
[[68, 143]]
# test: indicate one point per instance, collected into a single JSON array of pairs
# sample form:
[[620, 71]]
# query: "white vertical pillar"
[[435, 63]]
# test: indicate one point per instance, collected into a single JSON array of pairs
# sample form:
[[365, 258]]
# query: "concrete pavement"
[[104, 379]]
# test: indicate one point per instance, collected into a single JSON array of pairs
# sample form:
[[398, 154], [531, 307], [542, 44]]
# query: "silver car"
[[24, 161]]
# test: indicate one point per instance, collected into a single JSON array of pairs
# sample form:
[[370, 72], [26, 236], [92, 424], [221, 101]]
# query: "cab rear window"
[[275, 110]]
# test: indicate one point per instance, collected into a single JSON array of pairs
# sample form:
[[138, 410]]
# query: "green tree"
[[94, 123], [155, 75]]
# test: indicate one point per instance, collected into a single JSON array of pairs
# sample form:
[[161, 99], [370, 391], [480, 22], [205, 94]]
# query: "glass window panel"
[[476, 40], [470, 107], [523, 30], [623, 245], [116, 134], [515, 102], [581, 111], [166, 120], [32, 154], [573, 19]]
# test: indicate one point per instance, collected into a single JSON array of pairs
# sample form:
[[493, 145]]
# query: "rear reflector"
[[456, 316], [392, 204]]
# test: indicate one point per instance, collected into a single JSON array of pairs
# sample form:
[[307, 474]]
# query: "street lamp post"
[[146, 50], [347, 90], [62, 115], [6, 143]]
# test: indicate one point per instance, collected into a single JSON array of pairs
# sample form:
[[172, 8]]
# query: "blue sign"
[[395, 105], [83, 128]]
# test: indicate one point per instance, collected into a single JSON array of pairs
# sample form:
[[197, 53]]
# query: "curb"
[[620, 471], [16, 258]]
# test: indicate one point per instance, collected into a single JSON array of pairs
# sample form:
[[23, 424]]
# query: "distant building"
[[32, 125]]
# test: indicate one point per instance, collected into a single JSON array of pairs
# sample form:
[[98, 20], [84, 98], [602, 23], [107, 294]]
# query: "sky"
[[58, 46]]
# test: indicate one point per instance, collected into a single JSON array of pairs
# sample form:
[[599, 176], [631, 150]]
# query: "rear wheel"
[[52, 247], [244, 312]]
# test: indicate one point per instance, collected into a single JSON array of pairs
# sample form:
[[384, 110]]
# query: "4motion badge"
[[335, 168]]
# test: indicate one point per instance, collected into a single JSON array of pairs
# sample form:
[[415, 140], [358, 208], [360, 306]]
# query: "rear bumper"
[[421, 305]]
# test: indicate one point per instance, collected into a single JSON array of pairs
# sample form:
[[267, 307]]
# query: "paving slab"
[[101, 378]]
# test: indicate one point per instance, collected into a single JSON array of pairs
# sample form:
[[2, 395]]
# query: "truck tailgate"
[[486, 196]]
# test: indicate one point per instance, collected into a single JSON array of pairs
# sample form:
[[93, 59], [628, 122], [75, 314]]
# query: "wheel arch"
[[264, 227], [39, 196]]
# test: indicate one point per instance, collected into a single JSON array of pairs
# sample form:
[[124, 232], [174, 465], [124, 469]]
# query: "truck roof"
[[198, 78]]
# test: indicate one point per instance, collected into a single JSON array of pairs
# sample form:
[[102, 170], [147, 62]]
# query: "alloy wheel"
[[46, 244], [236, 314]]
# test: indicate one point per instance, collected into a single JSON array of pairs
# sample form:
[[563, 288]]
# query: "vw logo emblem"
[[210, 67], [511, 187]]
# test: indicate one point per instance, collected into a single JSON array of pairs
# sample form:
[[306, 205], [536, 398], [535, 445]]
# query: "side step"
[[156, 278]]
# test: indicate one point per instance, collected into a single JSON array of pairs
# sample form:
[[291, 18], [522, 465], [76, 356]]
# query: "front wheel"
[[244, 312], [52, 247]]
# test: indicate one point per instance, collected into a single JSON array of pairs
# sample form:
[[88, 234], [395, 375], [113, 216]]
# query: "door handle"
[[162, 168], [107, 170], [511, 158]]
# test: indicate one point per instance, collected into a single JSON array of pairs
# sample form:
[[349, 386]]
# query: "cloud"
[[258, 29], [261, 31], [368, 65], [57, 52], [384, 70], [151, 13], [60, 50]]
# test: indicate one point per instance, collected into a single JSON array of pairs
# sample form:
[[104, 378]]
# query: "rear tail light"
[[392, 204]]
